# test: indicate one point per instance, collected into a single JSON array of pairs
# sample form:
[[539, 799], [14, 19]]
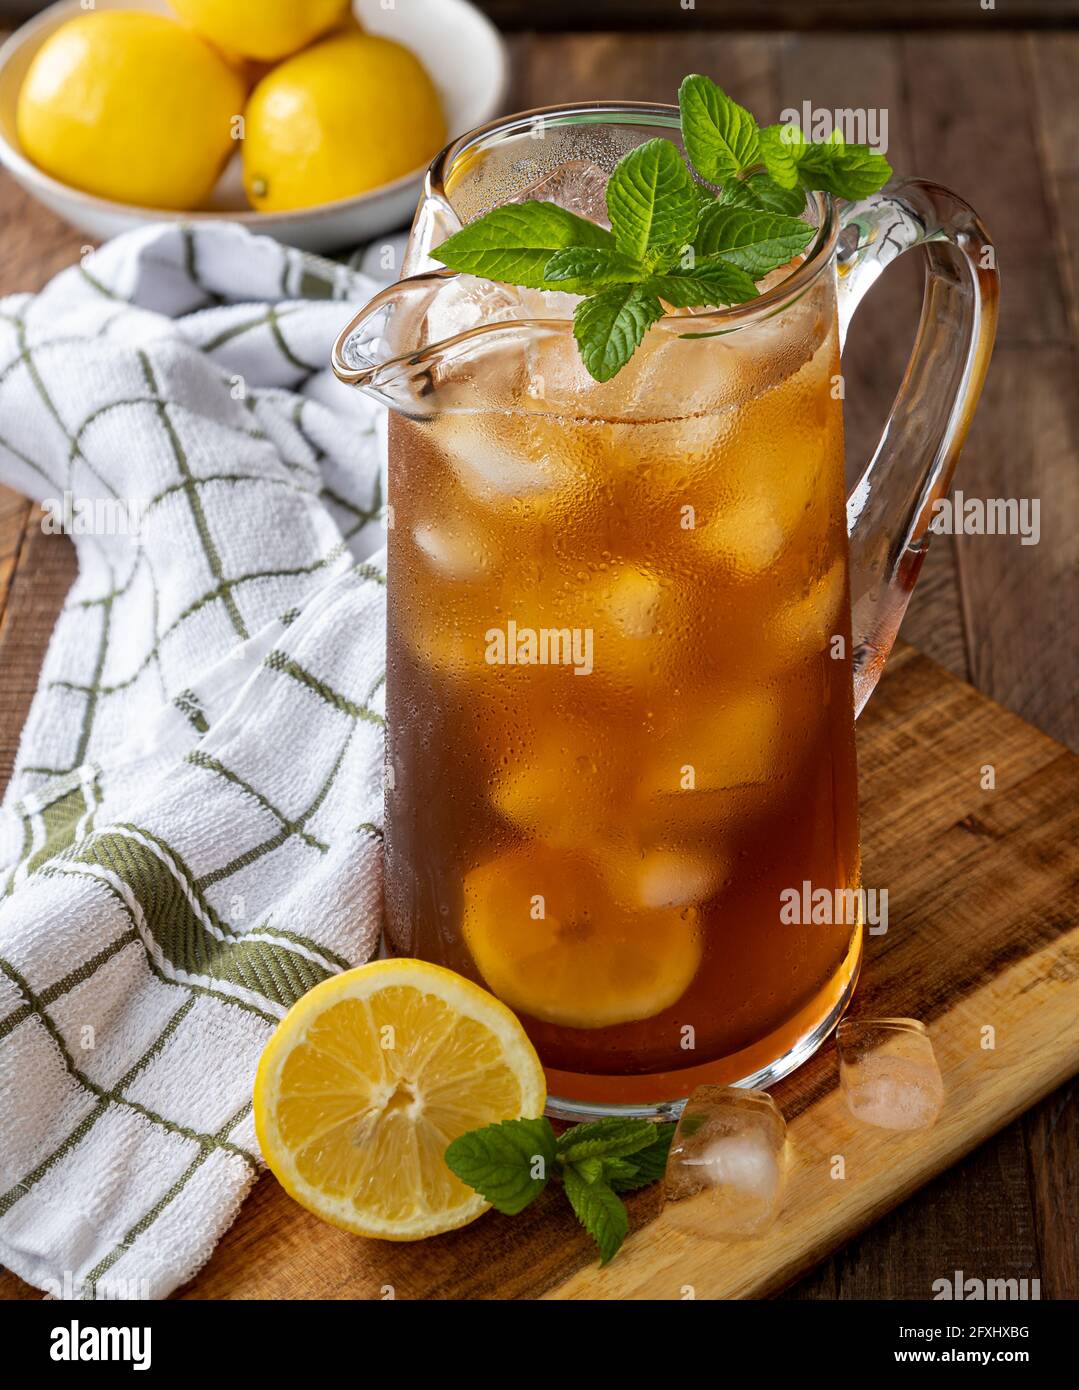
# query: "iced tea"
[[619, 699]]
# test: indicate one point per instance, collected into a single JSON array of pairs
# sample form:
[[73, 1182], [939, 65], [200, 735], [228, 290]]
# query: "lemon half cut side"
[[368, 1079]]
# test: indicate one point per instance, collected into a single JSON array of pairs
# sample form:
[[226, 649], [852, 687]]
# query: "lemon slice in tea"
[[550, 939]]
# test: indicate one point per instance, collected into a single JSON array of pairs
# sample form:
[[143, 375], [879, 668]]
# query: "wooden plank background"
[[995, 114]]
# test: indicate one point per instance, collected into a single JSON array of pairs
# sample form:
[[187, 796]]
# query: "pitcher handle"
[[891, 505]]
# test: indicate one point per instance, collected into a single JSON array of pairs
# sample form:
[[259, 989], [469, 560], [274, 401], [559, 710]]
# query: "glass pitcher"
[[631, 624]]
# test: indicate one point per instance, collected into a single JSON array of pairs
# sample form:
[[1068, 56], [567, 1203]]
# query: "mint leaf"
[[644, 1167], [513, 243], [600, 1212], [761, 192], [781, 147], [609, 327], [498, 1161], [720, 136], [651, 199], [611, 1138], [705, 197], [586, 269], [757, 242], [591, 1169], [846, 171], [709, 282], [620, 1174]]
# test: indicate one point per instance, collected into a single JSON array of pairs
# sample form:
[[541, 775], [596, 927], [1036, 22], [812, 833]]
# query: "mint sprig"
[[511, 1163], [675, 241]]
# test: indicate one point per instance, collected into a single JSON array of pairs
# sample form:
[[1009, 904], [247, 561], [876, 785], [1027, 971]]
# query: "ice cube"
[[632, 602], [731, 1144], [687, 381], [559, 788], [503, 459], [717, 764], [749, 534], [466, 302], [471, 369], [777, 276], [549, 304], [666, 877], [806, 625], [713, 770], [781, 344], [889, 1072], [737, 366], [620, 610], [558, 380], [556, 375], [727, 743], [445, 646], [454, 548], [578, 186], [770, 504]]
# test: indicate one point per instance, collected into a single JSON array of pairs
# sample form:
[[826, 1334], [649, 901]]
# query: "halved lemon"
[[370, 1076], [549, 938]]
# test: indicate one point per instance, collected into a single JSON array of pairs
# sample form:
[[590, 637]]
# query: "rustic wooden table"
[[994, 113]]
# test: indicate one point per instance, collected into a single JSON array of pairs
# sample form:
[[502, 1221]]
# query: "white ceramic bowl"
[[458, 45]]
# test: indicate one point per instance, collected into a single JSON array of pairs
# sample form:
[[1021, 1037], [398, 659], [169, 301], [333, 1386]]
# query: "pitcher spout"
[[371, 352], [433, 342]]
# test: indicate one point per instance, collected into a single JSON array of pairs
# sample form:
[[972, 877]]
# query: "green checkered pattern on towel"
[[191, 837]]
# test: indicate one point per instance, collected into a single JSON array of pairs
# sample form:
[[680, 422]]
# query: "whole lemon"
[[132, 107], [265, 29], [350, 113]]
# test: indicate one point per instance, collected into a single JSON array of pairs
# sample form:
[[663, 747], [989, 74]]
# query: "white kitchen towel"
[[191, 838]]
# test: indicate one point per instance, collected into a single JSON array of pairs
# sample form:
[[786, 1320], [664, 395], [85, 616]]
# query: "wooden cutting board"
[[983, 900]]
